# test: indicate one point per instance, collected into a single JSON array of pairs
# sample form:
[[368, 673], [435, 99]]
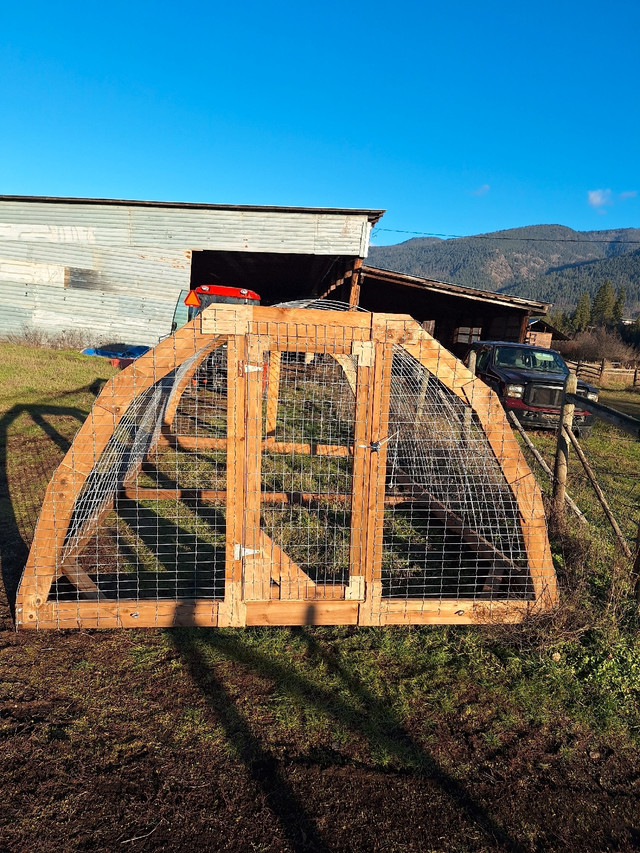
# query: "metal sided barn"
[[113, 270]]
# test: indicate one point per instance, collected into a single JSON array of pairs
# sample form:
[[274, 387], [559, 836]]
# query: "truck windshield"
[[530, 359]]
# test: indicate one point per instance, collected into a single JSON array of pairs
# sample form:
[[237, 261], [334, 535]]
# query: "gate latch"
[[239, 552]]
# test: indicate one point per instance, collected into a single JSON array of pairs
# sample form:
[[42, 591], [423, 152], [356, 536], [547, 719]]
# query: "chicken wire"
[[321, 511]]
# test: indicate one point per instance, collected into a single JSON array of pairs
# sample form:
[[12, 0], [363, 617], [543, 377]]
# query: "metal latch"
[[239, 552], [252, 368]]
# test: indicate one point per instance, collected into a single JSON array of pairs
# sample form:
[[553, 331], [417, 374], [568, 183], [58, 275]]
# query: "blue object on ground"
[[116, 351]]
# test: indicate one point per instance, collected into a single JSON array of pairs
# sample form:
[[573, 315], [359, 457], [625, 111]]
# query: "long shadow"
[[26, 497], [264, 769], [364, 713]]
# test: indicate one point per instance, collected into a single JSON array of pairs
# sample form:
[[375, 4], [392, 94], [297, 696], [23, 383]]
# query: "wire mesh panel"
[[451, 522], [290, 466], [306, 474]]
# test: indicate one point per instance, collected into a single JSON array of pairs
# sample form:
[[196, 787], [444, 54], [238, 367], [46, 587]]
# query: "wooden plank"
[[232, 610], [302, 612], [273, 392], [126, 614], [273, 563], [144, 493], [306, 449], [222, 319], [347, 365], [214, 495], [190, 442], [376, 476], [255, 579], [453, 612], [361, 444], [280, 323]]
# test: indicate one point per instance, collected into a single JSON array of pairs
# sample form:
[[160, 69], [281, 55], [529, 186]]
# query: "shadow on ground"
[[28, 459], [355, 707]]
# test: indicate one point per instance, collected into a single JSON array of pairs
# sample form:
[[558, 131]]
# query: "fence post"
[[602, 367], [561, 466]]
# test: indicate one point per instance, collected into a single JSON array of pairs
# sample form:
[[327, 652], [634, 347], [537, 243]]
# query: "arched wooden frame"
[[256, 335]]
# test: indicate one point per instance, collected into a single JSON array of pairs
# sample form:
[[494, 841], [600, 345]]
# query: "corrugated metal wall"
[[114, 271]]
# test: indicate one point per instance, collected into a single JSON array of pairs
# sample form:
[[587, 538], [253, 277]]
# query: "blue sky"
[[457, 118]]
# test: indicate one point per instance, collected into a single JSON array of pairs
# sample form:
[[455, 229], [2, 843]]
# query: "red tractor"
[[201, 297], [213, 372]]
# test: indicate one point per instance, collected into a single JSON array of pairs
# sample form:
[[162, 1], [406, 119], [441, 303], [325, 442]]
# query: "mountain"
[[551, 263]]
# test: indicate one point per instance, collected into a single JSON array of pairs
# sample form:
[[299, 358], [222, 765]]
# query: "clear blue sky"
[[458, 118]]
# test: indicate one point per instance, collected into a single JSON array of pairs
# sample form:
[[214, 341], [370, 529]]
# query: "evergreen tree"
[[581, 316], [602, 307], [618, 306], [560, 320]]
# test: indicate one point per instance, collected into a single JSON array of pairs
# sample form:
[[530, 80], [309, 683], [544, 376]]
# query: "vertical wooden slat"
[[376, 473], [273, 391], [232, 610], [256, 578], [361, 441]]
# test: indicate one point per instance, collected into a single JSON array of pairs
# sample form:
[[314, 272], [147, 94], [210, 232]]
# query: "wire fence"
[[290, 466]]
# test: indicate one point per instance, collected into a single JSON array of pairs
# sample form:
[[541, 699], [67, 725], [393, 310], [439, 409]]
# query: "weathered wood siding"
[[115, 271]]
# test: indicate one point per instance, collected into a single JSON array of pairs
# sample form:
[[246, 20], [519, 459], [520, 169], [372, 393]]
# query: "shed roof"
[[372, 215], [392, 277]]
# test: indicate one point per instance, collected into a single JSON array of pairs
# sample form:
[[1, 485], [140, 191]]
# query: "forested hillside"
[[546, 262]]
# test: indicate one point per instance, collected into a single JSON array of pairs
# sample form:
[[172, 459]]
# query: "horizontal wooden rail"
[[624, 422], [148, 493], [190, 442]]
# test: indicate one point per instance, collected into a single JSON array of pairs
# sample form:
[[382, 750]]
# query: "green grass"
[[627, 401]]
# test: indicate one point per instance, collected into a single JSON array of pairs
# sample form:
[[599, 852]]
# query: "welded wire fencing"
[[290, 466]]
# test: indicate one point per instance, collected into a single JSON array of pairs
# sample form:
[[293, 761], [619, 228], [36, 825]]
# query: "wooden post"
[[562, 448], [543, 464], [600, 494], [354, 284]]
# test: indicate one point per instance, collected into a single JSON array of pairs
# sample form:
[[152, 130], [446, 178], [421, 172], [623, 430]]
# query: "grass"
[[625, 400], [458, 705]]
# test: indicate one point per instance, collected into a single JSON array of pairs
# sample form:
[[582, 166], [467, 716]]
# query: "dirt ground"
[[96, 754], [186, 740]]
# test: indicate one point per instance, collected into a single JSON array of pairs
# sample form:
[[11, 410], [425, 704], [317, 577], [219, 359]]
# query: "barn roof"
[[433, 285], [372, 215]]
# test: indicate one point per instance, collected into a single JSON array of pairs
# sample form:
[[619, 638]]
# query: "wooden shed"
[[453, 314]]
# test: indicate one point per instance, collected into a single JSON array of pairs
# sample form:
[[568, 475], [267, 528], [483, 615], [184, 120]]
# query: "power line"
[[515, 239]]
